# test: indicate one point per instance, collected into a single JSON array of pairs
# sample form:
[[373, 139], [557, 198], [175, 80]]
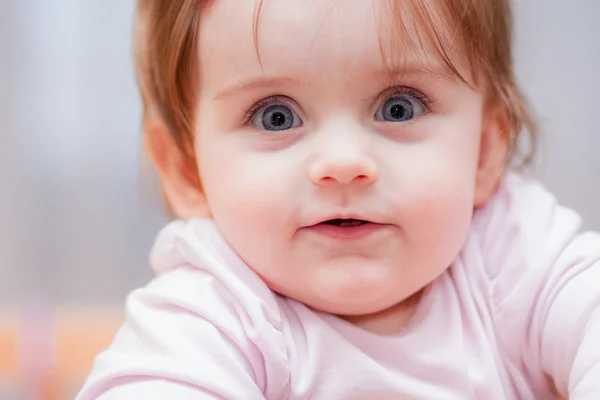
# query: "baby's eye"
[[400, 108], [276, 117]]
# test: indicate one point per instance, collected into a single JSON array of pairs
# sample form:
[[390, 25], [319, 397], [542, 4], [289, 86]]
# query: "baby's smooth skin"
[[327, 126]]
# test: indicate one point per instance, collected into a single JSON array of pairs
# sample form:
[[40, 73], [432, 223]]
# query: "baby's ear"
[[493, 156], [178, 173]]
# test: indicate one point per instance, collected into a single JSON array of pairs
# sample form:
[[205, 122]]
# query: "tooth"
[[350, 223]]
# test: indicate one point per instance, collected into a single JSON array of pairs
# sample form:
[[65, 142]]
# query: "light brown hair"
[[166, 57]]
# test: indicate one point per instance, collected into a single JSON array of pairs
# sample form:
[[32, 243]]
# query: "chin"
[[356, 305], [367, 297]]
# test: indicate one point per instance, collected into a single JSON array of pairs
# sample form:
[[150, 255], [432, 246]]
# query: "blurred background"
[[80, 207]]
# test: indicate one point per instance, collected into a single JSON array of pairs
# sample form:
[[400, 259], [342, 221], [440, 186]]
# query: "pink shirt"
[[518, 310]]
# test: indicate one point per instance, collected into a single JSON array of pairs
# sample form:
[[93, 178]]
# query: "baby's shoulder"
[[519, 233], [523, 205], [196, 267], [205, 321]]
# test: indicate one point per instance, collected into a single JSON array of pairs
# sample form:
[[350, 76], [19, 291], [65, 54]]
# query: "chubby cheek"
[[437, 215], [251, 203], [440, 220]]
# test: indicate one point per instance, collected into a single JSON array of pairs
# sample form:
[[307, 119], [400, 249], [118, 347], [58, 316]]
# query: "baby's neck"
[[390, 321]]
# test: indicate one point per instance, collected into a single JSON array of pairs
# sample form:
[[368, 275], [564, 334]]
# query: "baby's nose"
[[344, 170]]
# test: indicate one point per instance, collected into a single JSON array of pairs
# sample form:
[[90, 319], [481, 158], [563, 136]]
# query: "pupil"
[[397, 111], [278, 119]]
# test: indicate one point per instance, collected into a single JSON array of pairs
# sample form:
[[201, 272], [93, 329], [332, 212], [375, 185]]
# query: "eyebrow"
[[256, 83], [393, 74], [386, 75]]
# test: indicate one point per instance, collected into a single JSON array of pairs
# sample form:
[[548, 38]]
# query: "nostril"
[[345, 180]]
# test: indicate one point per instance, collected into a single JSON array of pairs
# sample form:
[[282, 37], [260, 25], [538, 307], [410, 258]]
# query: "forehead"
[[313, 37]]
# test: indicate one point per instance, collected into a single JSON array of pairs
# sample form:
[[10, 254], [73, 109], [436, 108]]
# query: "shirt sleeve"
[[570, 323], [546, 286], [186, 336]]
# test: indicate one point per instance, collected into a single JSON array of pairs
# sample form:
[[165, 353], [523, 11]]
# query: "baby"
[[347, 224]]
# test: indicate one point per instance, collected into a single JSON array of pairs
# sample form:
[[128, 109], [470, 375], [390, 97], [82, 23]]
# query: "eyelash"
[[425, 101], [249, 113]]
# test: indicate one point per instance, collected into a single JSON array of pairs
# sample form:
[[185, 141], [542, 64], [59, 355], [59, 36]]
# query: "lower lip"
[[347, 233]]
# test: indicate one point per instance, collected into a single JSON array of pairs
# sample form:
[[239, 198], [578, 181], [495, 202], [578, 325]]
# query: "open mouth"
[[345, 223], [348, 229]]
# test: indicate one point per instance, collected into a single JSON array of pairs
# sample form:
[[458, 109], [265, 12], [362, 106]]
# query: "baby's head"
[[340, 146]]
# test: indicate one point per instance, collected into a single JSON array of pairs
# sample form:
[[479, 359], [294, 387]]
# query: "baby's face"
[[345, 185]]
